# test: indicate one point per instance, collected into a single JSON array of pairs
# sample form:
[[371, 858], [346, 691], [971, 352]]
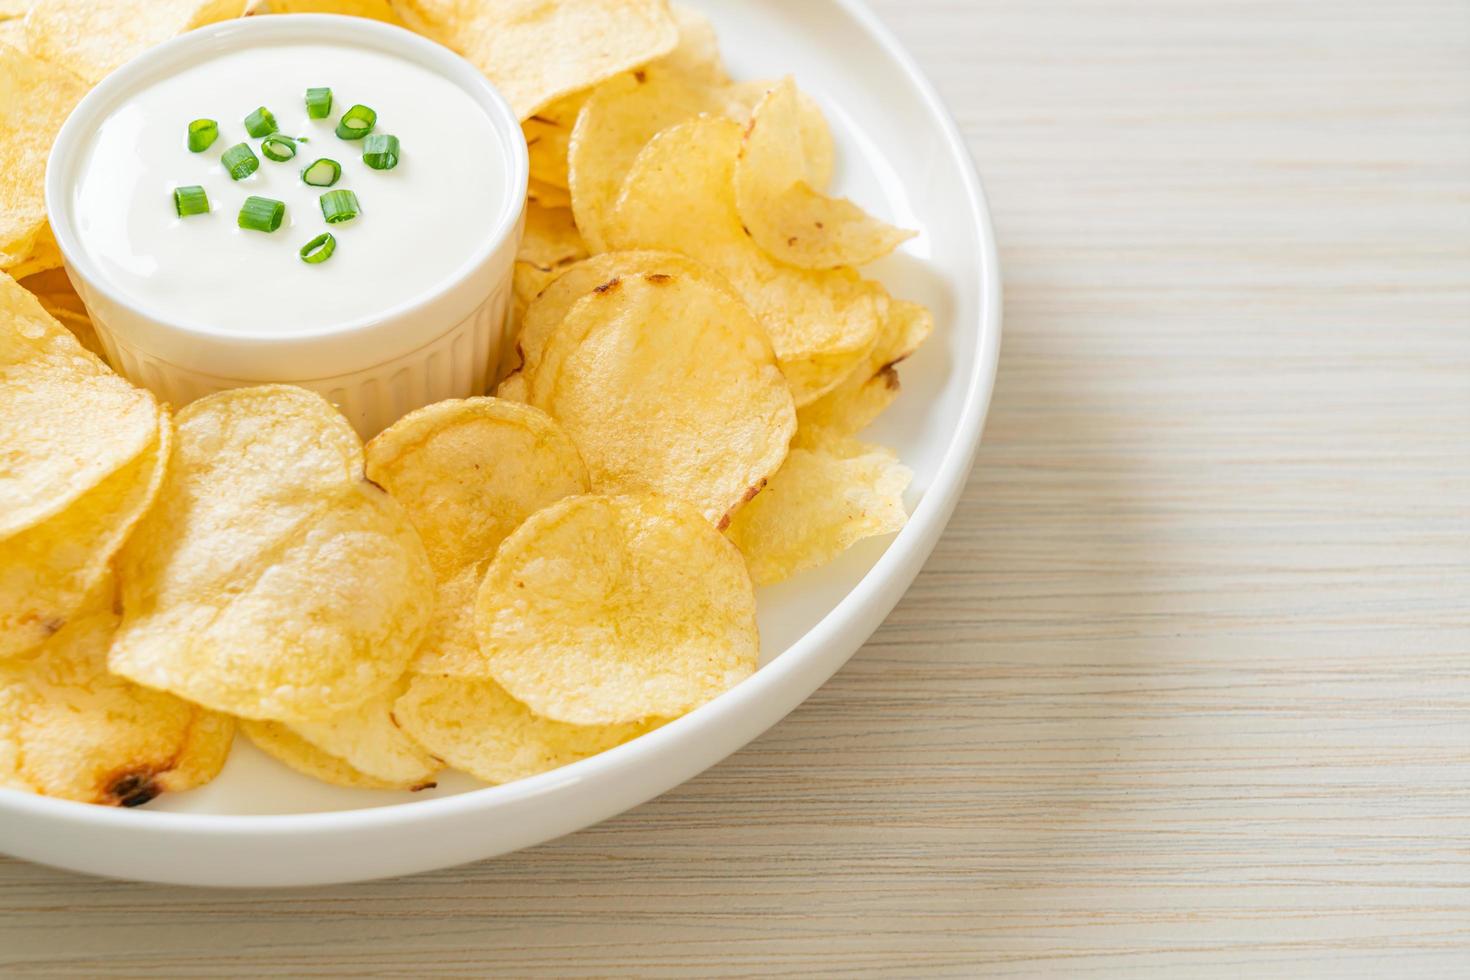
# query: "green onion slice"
[[380, 151], [261, 214], [278, 148], [260, 123], [202, 134], [339, 206], [319, 249], [190, 200], [322, 173], [240, 160], [357, 122], [318, 102]]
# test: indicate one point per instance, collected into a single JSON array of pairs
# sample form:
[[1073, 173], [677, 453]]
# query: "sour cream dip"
[[409, 307]]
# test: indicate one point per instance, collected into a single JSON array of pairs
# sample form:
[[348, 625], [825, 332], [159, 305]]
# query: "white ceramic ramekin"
[[439, 345]]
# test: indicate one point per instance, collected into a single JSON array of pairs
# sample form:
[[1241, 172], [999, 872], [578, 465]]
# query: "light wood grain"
[[1186, 687]]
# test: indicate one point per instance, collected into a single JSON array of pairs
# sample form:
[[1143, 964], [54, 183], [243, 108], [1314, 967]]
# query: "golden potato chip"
[[371, 9], [70, 729], [818, 150], [785, 216], [474, 726], [547, 134], [284, 745], [13, 33], [90, 38], [365, 742], [617, 121], [549, 245], [548, 195], [543, 316], [512, 389], [605, 610], [697, 55], [468, 473], [54, 291], [822, 502], [668, 385], [47, 571], [271, 579], [862, 397], [35, 99], [537, 51], [679, 196], [66, 421]]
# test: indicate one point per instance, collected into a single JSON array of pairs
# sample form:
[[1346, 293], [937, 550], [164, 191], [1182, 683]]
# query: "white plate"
[[901, 157]]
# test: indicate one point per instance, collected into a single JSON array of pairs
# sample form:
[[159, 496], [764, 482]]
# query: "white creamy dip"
[[420, 223]]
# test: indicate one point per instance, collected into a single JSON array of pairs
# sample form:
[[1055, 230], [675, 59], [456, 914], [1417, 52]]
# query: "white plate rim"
[[843, 629]]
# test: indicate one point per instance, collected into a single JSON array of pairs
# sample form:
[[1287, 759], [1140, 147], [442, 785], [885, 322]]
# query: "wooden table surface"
[[1186, 687]]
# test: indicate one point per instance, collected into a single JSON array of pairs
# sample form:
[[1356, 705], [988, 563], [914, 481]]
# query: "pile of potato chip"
[[501, 585]]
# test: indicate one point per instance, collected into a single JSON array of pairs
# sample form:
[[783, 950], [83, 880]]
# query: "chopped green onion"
[[318, 102], [240, 160], [319, 249], [261, 214], [260, 123], [278, 148], [202, 134], [357, 122], [339, 206], [322, 173], [190, 200], [380, 152]]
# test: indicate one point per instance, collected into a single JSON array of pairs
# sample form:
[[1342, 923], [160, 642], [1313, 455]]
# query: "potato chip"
[[271, 579], [818, 150], [371, 9], [474, 726], [822, 502], [512, 389], [785, 216], [70, 729], [547, 134], [697, 55], [668, 385], [54, 291], [537, 51], [468, 473], [862, 397], [549, 245], [14, 9], [13, 33], [47, 571], [284, 745], [66, 421], [604, 610], [90, 38], [679, 196], [548, 195], [546, 312], [35, 99], [618, 120], [366, 742]]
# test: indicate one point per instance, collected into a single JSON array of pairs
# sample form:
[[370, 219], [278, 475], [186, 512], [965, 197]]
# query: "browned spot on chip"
[[608, 286], [658, 277], [375, 486], [640, 76], [429, 785], [889, 376], [53, 625], [791, 240], [131, 788], [543, 119]]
